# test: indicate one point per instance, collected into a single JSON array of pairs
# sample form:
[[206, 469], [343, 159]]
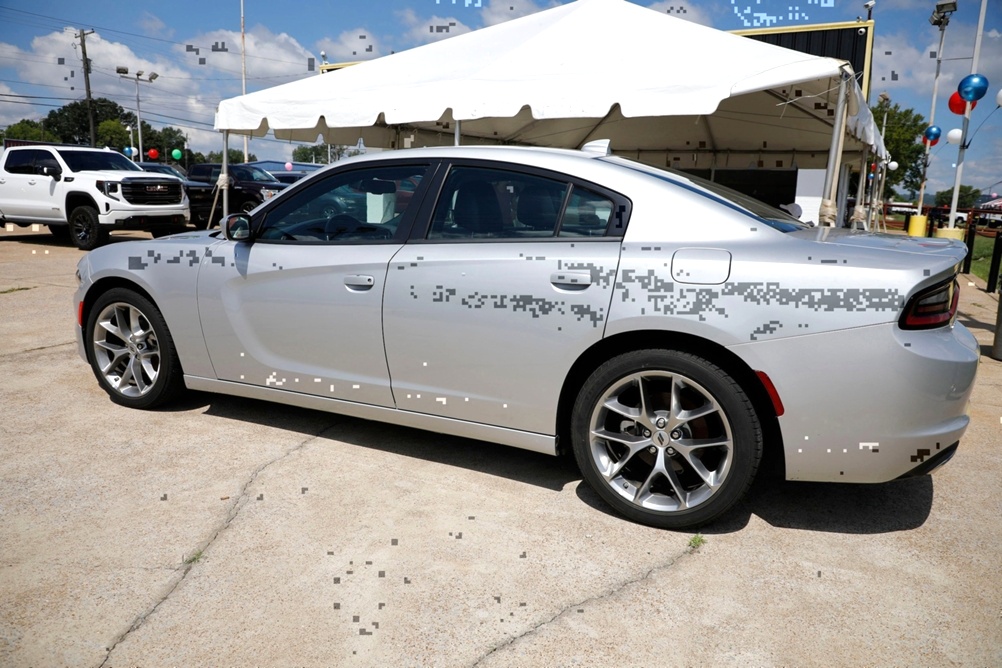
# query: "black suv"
[[249, 185]]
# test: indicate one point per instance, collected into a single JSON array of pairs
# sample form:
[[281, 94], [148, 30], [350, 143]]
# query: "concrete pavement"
[[233, 532]]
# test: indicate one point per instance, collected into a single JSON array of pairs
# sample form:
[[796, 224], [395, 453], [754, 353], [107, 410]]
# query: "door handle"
[[358, 282], [571, 280]]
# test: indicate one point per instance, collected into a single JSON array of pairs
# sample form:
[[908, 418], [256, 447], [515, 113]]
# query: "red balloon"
[[957, 104], [153, 153], [935, 141]]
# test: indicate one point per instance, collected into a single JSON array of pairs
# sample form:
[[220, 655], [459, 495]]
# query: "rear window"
[[771, 216]]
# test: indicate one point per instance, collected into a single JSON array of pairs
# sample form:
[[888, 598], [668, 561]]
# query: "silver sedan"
[[666, 331]]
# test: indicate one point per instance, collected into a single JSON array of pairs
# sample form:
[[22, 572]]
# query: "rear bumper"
[[870, 404]]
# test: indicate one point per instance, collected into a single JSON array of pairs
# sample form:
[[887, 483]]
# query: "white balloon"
[[954, 136], [998, 98], [892, 166]]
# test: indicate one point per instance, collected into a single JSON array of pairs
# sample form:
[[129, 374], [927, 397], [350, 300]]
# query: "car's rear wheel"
[[85, 228], [131, 350], [667, 438]]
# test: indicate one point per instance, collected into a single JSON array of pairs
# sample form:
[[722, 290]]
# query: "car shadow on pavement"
[[498, 460], [899, 505]]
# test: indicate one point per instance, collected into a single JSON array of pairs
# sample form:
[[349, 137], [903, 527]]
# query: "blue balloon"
[[933, 132], [128, 151], [973, 87]]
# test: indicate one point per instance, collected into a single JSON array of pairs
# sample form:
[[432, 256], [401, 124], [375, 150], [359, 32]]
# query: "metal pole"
[[828, 211], [243, 69], [932, 112], [967, 117], [224, 173], [458, 132], [139, 119]]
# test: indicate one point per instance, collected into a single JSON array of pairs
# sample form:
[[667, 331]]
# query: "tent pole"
[[829, 211], [224, 173], [858, 215], [459, 125]]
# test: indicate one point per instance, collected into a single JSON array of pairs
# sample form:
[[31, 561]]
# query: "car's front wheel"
[[85, 228], [667, 438], [131, 350]]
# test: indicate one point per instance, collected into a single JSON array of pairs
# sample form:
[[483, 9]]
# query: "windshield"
[[162, 169], [771, 216], [93, 161], [247, 173]]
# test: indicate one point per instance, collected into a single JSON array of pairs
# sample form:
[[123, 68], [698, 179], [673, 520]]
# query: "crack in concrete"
[[37, 350], [612, 591], [182, 572]]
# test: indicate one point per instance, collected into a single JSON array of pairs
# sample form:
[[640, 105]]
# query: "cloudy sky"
[[195, 47]]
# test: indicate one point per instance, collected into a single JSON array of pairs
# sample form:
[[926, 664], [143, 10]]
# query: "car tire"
[[667, 438], [249, 205], [131, 350], [85, 228]]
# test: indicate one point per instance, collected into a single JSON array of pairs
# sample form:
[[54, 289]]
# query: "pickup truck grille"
[[151, 191]]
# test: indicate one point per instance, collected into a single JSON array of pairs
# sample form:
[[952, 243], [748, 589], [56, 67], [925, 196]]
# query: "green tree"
[[966, 198], [902, 138], [112, 133], [319, 153], [71, 125], [31, 130], [236, 156]]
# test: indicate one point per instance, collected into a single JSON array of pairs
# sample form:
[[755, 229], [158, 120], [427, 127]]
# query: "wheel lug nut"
[[652, 449], [647, 433]]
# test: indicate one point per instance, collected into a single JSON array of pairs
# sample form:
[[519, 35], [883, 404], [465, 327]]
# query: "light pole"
[[940, 18], [967, 118], [132, 148], [123, 73]]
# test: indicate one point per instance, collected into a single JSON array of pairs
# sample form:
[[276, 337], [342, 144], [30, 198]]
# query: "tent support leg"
[[829, 211], [459, 131], [224, 173]]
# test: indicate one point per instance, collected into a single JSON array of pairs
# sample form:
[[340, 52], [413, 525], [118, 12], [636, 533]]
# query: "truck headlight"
[[109, 188]]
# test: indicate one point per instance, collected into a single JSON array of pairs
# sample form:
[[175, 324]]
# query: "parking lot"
[[235, 532]]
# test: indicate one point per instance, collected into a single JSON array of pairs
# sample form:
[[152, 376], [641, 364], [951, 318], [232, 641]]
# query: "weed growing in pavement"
[[696, 541], [193, 559]]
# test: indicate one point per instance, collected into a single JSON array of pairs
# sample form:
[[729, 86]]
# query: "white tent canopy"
[[664, 90]]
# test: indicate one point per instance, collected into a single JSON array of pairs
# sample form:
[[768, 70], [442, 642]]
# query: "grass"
[[696, 541], [981, 258], [194, 558]]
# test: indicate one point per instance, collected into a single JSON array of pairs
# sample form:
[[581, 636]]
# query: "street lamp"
[[123, 73], [940, 18], [132, 149]]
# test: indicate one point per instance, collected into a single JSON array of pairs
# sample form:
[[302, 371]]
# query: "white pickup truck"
[[83, 193]]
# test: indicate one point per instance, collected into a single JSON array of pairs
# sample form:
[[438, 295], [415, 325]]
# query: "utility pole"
[[86, 69]]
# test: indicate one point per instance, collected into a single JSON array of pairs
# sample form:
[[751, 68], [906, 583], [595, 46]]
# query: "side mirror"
[[54, 172], [237, 227]]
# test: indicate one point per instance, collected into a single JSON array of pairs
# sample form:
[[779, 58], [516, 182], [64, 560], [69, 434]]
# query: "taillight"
[[931, 308]]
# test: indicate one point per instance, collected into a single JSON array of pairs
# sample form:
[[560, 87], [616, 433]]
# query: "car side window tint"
[[22, 162], [483, 203], [358, 205], [588, 214]]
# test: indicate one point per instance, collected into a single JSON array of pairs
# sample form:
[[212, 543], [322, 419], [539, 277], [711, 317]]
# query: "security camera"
[[870, 4], [861, 31]]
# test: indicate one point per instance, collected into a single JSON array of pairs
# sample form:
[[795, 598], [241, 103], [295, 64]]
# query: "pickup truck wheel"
[[85, 228], [131, 350]]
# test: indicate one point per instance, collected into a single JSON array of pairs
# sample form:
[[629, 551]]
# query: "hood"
[[120, 175]]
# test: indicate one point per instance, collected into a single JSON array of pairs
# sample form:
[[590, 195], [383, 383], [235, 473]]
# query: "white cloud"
[[153, 26], [681, 10], [350, 45], [430, 29], [499, 11]]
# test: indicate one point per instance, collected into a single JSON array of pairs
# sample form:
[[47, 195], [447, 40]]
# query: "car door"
[[511, 281], [300, 306], [28, 194]]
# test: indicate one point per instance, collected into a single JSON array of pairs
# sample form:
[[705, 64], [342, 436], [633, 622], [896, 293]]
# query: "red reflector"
[[80, 313], [777, 403]]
